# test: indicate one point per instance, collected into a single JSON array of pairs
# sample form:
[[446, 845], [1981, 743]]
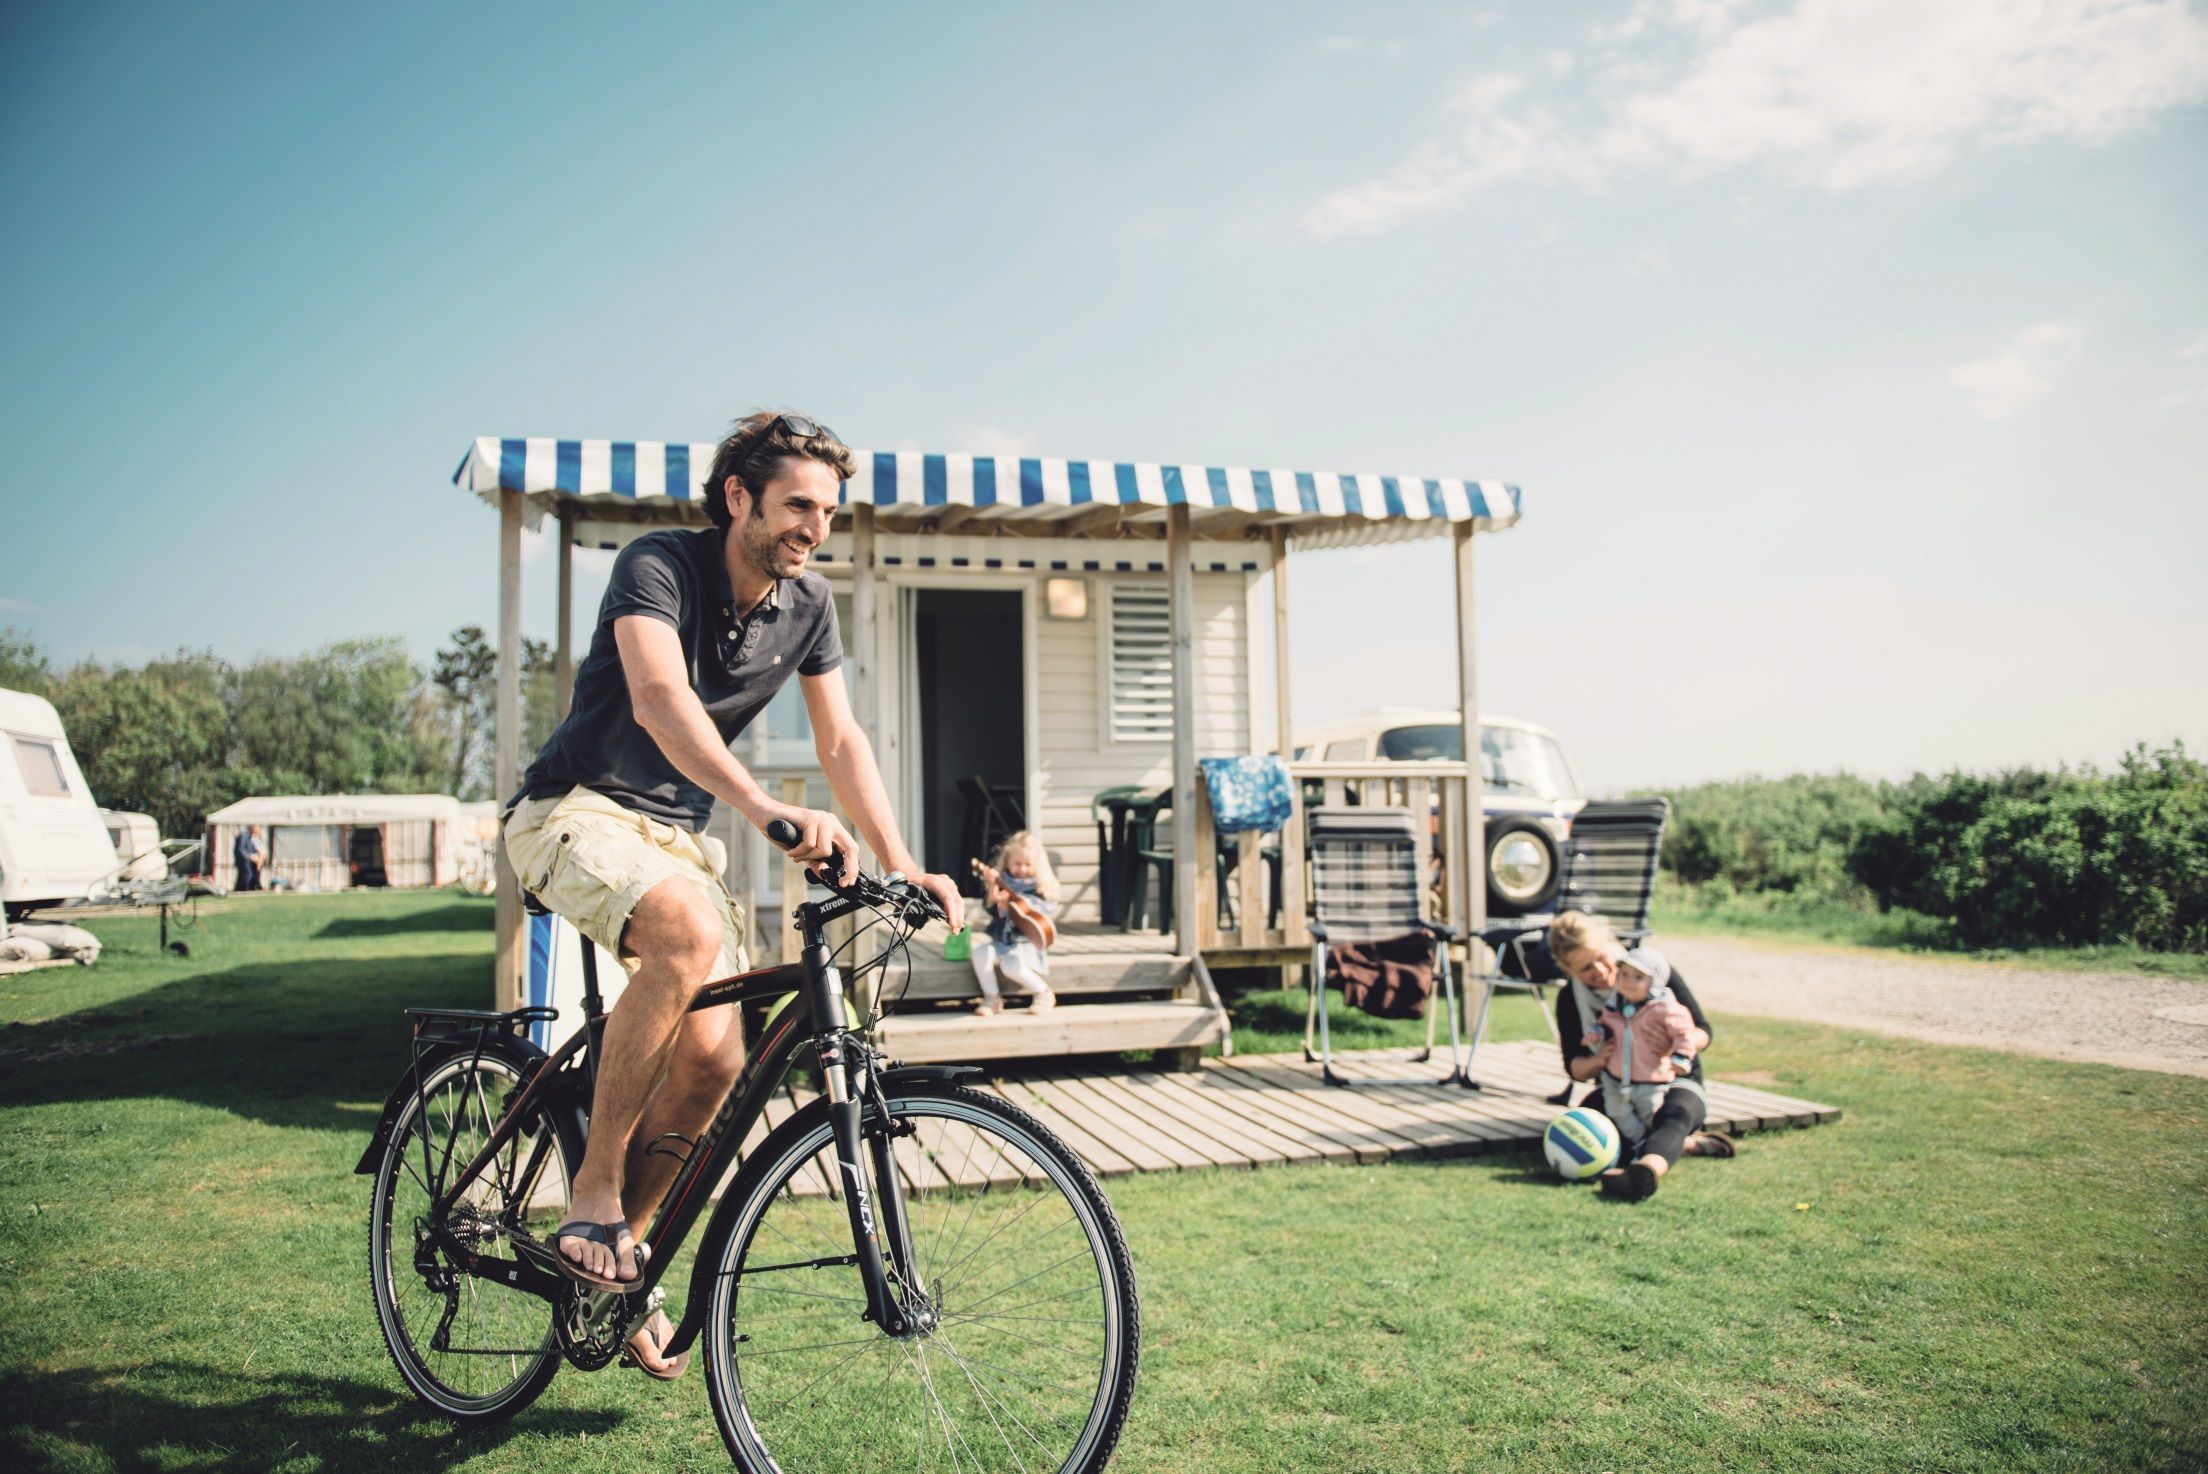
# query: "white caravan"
[[53, 845]]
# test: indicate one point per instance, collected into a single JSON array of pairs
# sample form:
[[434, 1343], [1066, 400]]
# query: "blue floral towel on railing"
[[1247, 792]]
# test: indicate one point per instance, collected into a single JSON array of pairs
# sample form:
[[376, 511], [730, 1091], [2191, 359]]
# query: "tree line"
[[2021, 858], [186, 734]]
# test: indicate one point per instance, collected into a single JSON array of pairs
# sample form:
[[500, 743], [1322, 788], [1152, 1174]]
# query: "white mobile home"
[[1024, 634], [53, 845], [337, 841]]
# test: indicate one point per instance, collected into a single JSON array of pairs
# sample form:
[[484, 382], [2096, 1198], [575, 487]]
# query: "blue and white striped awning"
[[644, 480]]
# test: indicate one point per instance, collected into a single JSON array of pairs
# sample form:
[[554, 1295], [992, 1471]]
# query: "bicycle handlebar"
[[891, 890]]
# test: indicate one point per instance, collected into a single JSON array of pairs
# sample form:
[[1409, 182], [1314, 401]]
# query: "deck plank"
[[1103, 1158]]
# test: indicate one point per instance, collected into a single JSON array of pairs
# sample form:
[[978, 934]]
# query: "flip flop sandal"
[[609, 1234], [1634, 1184], [629, 1358], [1712, 1144]]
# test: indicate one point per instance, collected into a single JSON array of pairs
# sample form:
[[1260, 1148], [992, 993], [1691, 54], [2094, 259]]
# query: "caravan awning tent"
[[309, 837]]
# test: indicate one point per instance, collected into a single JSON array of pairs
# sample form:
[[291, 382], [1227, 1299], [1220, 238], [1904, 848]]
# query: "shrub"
[[1789, 835], [2028, 857], [2084, 858]]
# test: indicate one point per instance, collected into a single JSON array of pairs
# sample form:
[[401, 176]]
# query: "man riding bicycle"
[[696, 633]]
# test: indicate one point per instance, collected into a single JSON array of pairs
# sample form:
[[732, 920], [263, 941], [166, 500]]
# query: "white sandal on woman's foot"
[[1043, 1002]]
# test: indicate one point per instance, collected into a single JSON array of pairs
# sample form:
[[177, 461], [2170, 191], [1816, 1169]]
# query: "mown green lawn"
[[1988, 1264]]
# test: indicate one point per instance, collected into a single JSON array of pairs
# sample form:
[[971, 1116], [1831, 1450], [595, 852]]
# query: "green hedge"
[[2017, 859]]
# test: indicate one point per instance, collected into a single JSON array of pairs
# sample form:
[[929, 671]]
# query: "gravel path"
[[2112, 1018]]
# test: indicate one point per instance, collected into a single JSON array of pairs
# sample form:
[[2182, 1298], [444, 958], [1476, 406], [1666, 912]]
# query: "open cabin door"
[[962, 672]]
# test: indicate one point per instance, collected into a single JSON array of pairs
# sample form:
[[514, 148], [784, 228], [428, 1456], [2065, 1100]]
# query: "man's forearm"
[[857, 785], [677, 721]]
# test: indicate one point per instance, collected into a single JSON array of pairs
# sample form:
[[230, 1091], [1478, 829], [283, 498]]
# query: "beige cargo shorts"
[[591, 860]]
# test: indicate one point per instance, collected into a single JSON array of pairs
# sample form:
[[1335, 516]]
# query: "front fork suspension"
[[846, 1068]]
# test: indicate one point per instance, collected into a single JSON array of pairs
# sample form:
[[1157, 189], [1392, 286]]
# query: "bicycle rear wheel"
[[472, 1349], [1030, 1364]]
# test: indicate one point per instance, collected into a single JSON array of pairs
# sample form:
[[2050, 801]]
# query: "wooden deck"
[[1268, 1110]]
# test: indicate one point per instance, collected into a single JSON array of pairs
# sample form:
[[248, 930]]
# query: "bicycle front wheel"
[[1029, 1363]]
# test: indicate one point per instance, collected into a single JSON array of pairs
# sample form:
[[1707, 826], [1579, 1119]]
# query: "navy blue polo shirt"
[[737, 661]]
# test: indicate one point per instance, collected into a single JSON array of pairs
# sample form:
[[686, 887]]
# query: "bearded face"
[[778, 531]]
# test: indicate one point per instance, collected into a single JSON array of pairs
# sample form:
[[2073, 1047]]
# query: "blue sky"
[[1853, 354]]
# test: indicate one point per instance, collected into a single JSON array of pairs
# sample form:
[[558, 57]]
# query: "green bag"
[[959, 946]]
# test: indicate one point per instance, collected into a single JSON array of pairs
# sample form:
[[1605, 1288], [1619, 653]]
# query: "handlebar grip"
[[785, 835]]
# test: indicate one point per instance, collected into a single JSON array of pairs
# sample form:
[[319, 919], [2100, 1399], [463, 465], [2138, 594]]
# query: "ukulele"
[[1030, 917]]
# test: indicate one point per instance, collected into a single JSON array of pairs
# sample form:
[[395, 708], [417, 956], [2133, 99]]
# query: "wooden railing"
[[1436, 788]]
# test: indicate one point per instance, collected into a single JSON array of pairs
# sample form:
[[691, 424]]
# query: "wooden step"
[[1070, 1028], [1071, 975]]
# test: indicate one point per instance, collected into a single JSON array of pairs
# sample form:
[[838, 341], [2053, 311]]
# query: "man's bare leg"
[[675, 934], [708, 1055]]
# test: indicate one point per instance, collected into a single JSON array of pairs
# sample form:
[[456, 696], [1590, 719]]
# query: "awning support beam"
[[506, 768], [1181, 600]]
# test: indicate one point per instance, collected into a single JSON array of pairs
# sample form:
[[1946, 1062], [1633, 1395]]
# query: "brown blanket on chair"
[[1387, 979]]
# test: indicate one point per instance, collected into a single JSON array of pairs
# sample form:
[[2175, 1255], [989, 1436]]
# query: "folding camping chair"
[[1609, 871], [1368, 884]]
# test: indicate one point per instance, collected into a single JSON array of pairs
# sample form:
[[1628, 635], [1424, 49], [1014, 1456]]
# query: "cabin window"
[[40, 760], [1138, 676], [1347, 750]]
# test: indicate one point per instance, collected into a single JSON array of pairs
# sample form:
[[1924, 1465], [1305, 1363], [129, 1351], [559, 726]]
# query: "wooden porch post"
[[563, 658], [506, 974], [1181, 599], [1291, 835], [859, 644], [1471, 881]]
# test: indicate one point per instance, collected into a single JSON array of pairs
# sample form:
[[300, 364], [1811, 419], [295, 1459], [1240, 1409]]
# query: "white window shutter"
[[1139, 694]]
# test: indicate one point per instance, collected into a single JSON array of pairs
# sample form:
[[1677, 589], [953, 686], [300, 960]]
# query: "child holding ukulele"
[[1020, 892]]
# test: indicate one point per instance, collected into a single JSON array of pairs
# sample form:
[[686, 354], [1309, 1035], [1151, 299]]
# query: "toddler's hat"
[[1652, 964]]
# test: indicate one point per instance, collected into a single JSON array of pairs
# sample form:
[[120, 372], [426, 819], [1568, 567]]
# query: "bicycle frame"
[[817, 1016]]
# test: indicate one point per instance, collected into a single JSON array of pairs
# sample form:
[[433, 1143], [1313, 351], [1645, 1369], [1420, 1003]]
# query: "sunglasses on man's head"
[[801, 427]]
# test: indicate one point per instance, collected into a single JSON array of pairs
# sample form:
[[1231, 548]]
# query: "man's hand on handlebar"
[[945, 894], [819, 836]]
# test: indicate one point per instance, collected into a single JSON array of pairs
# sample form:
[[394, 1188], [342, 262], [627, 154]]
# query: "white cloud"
[[2197, 348], [11, 605], [2023, 372], [1833, 94]]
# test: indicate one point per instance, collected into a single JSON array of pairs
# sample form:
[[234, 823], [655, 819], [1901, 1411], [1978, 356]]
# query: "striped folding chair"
[[1609, 871], [1368, 884]]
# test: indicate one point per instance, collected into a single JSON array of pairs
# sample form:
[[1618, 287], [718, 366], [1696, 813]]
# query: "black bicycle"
[[905, 1273]]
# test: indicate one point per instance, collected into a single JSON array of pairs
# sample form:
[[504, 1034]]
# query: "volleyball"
[[1580, 1143]]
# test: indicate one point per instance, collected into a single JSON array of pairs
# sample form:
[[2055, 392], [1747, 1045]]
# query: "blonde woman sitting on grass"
[[1021, 893], [1630, 1024]]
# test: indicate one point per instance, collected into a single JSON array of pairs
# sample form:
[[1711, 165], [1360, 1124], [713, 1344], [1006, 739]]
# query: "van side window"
[[1347, 750], [40, 761]]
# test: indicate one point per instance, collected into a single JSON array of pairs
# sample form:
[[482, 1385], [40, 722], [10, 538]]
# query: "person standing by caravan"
[[248, 853], [697, 631]]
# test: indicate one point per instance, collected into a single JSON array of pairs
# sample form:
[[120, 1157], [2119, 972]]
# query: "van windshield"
[[1514, 761]]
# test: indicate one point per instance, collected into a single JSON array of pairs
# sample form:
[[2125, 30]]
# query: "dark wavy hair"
[[754, 453]]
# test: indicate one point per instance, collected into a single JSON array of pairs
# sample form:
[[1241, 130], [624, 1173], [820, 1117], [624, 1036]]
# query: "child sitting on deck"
[[1021, 893]]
